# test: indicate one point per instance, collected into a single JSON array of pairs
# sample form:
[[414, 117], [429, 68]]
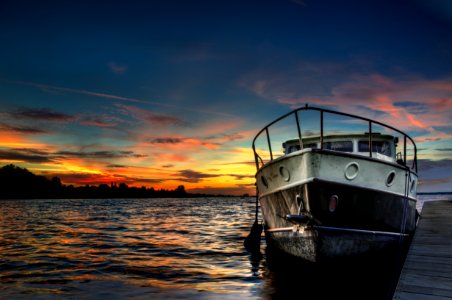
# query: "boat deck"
[[427, 272]]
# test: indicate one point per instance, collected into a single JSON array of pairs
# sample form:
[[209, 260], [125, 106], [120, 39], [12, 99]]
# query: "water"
[[155, 249]]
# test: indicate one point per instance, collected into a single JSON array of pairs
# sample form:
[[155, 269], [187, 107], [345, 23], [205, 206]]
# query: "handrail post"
[[299, 131], [259, 159], [321, 129], [256, 160], [404, 150], [415, 158], [269, 145], [370, 139]]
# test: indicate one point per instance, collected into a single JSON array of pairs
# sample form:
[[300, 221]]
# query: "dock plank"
[[427, 272]]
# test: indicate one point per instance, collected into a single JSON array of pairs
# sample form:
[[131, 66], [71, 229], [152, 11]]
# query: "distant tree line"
[[19, 183]]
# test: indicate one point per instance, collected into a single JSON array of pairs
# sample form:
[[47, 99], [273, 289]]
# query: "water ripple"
[[153, 248], [162, 248]]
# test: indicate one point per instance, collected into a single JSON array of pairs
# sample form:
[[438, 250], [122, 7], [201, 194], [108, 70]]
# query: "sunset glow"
[[154, 96]]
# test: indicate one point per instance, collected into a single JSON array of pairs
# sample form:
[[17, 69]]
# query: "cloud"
[[445, 129], [435, 176], [25, 155], [407, 101], [433, 138], [22, 129], [116, 68], [97, 121], [39, 156], [163, 120], [116, 166], [179, 142], [99, 154], [171, 157], [241, 176], [47, 87], [413, 107], [45, 114], [247, 163], [194, 176], [382, 98], [226, 137], [152, 117], [48, 115], [167, 140], [435, 181], [427, 164]]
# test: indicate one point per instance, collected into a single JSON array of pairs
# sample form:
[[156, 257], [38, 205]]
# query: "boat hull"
[[362, 221], [317, 245]]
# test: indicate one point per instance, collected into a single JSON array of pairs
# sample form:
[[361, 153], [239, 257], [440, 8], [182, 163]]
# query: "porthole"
[[390, 178], [351, 170], [264, 181], [413, 186], [284, 173]]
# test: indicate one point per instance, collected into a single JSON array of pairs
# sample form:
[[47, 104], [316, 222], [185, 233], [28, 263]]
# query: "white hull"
[[341, 194], [371, 215]]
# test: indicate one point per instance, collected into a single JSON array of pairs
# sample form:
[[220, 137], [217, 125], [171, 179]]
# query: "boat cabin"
[[383, 146]]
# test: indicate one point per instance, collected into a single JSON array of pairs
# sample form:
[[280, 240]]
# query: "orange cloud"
[[12, 139], [165, 158], [409, 104], [414, 121], [178, 142]]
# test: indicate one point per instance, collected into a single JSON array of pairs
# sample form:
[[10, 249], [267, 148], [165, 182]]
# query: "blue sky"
[[162, 93]]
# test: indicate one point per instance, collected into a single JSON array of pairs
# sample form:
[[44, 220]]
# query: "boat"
[[341, 191]]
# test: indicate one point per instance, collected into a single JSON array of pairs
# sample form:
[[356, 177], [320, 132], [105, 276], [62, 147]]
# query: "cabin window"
[[343, 146], [293, 148], [311, 145], [383, 147]]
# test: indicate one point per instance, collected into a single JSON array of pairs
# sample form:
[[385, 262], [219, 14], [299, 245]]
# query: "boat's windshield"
[[342, 146], [351, 145], [383, 147]]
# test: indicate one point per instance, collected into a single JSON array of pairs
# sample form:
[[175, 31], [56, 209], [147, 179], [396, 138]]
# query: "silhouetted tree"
[[17, 183]]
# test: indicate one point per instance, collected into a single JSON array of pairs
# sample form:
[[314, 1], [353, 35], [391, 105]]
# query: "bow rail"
[[403, 159]]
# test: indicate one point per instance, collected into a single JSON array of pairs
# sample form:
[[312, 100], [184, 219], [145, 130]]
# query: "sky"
[[168, 93]]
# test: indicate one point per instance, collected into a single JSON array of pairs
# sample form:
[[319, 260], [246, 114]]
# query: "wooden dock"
[[427, 272]]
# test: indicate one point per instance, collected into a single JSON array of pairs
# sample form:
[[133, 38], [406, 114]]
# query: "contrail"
[[115, 97]]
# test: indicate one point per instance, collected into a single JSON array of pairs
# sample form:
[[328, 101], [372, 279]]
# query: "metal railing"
[[322, 111]]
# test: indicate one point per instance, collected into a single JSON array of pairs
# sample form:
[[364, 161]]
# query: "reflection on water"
[[134, 248], [154, 248]]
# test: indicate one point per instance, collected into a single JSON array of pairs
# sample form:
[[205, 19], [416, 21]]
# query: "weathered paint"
[[365, 202], [331, 166]]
